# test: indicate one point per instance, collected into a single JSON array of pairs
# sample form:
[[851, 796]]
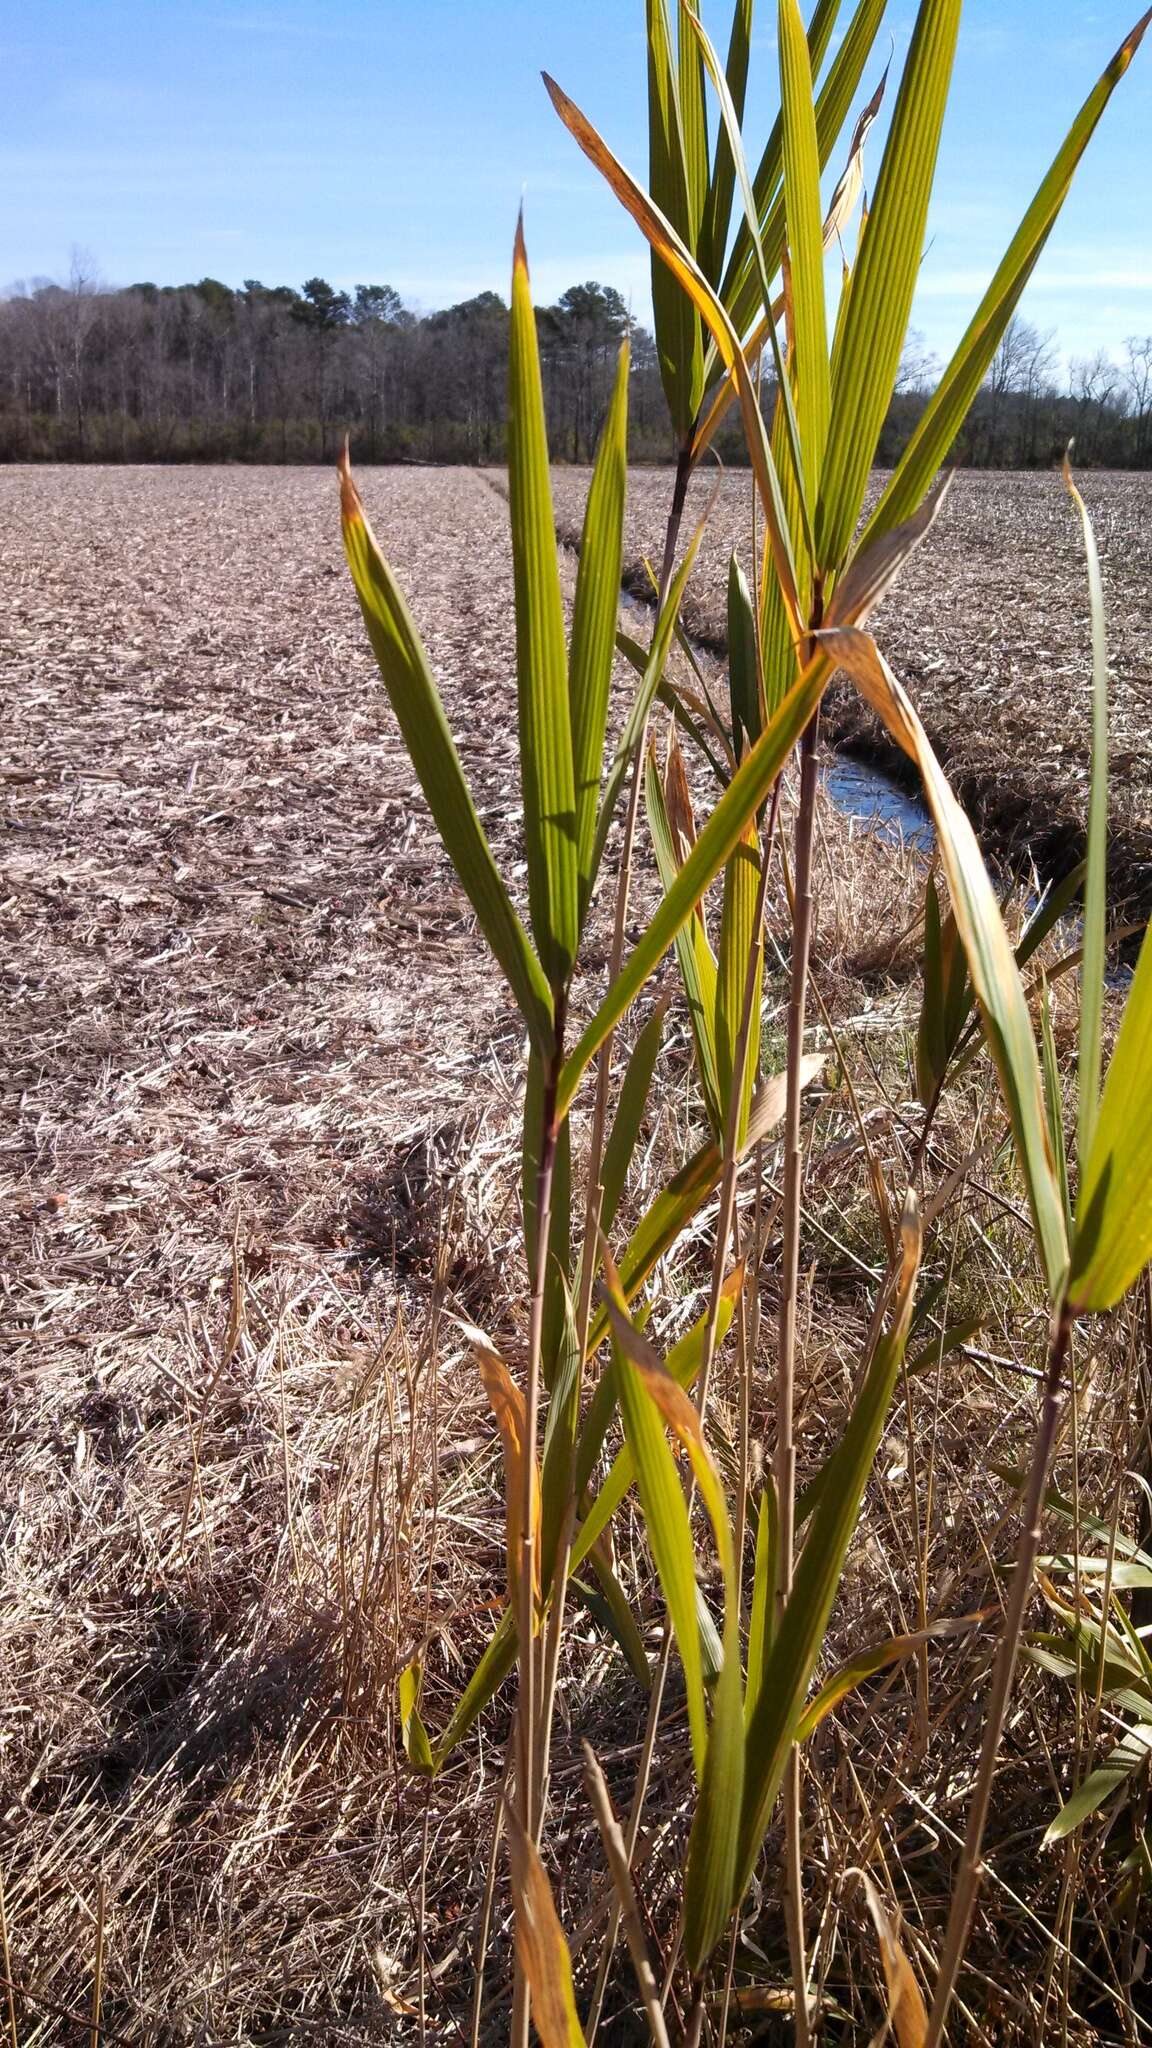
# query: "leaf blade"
[[802, 215], [667, 1527], [507, 1404], [1125, 1760], [937, 428], [738, 936], [630, 1106], [540, 1944], [907, 2012], [413, 1733], [991, 962], [740, 289], [868, 354], [625, 756], [718, 210], [594, 619], [1113, 1240], [693, 954], [797, 1641], [679, 343], [1095, 877], [660, 1226], [670, 247], [683, 1362], [419, 710], [740, 802], [546, 766]]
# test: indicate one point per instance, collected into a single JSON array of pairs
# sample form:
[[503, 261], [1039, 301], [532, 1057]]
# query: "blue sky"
[[390, 140]]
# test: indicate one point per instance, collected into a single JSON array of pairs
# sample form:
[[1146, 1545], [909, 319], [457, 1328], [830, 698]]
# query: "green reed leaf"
[[940, 422], [624, 757], [413, 1733], [762, 1610], [868, 357], [731, 126], [667, 1527], [419, 710], [1130, 1755], [743, 662], [740, 290], [628, 1120], [546, 764], [713, 238], [1054, 1104], [594, 617], [693, 124], [679, 342], [804, 222], [717, 840], [1113, 1240], [672, 250], [739, 935], [800, 1635], [683, 1362]]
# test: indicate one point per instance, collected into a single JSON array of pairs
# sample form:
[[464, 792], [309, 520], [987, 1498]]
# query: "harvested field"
[[260, 1149], [991, 636], [242, 1006]]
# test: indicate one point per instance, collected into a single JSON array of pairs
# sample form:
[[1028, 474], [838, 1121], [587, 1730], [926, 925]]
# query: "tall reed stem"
[[594, 1192], [971, 1870], [529, 1788], [784, 1464], [595, 1196], [675, 518]]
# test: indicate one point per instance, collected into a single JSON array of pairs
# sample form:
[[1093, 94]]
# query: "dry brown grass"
[[260, 1148], [243, 999]]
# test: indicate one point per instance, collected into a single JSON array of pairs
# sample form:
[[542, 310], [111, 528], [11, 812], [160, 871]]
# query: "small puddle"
[[857, 788], [863, 791]]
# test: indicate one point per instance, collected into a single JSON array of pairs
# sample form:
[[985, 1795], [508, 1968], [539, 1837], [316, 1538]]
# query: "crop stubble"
[[244, 1002]]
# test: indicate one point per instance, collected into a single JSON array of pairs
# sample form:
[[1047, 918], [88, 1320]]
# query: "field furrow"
[[990, 634]]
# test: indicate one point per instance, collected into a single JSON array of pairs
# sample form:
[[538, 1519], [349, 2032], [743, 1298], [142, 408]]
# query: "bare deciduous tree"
[[1138, 349]]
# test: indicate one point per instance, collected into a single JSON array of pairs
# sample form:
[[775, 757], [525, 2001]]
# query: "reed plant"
[[589, 1409]]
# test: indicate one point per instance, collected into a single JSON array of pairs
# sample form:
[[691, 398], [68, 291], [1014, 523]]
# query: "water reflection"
[[864, 791]]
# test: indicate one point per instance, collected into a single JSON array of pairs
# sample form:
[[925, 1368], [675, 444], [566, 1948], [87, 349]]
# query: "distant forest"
[[269, 373]]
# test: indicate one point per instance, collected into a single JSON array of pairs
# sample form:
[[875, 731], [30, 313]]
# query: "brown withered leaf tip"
[[519, 251], [351, 507], [1132, 42]]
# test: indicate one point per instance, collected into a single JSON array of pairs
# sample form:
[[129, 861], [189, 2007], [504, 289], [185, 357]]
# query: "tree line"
[[269, 373], [272, 373]]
